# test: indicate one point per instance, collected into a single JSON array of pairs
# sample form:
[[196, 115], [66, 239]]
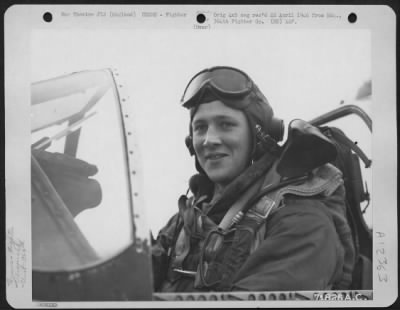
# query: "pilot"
[[246, 225]]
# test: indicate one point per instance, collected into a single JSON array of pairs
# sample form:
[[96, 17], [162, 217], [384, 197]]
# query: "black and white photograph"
[[222, 154]]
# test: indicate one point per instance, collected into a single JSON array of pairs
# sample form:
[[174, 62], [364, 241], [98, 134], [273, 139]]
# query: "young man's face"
[[222, 141]]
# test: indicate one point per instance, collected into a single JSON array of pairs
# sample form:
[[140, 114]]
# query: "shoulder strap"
[[236, 211]]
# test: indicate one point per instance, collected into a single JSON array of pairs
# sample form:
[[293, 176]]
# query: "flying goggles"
[[225, 81]]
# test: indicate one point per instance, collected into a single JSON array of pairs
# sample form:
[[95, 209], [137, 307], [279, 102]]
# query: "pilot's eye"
[[199, 127], [227, 125]]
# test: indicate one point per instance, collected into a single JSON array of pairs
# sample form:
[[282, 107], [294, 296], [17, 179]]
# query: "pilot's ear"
[[189, 145]]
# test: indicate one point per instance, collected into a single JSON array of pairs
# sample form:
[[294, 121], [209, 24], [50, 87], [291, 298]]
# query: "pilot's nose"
[[212, 137]]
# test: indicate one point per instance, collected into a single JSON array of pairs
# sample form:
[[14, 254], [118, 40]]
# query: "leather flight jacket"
[[207, 258]]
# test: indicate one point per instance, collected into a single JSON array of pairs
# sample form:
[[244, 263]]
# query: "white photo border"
[[21, 20]]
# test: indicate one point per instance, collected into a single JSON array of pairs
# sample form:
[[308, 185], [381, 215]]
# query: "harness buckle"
[[262, 209]]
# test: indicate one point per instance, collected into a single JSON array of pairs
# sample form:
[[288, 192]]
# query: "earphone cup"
[[277, 129], [189, 145]]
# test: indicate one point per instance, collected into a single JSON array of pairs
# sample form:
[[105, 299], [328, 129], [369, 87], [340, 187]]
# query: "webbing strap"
[[239, 205]]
